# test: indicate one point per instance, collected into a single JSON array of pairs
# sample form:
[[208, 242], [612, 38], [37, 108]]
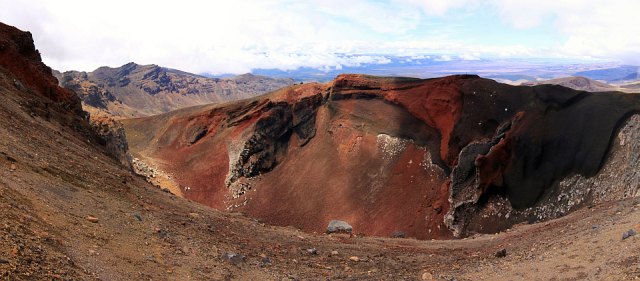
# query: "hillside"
[[577, 83], [612, 75], [134, 90]]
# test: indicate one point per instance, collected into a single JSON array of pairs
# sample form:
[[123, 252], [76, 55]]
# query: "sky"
[[218, 37]]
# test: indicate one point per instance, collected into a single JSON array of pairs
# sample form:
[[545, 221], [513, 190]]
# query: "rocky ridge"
[[134, 90]]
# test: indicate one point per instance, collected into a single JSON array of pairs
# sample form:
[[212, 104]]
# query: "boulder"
[[339, 226]]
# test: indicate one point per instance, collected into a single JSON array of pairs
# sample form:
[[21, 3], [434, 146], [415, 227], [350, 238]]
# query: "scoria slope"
[[134, 90], [432, 158]]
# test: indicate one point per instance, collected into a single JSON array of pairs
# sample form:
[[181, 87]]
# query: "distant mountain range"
[[134, 90], [614, 74], [586, 84], [512, 71]]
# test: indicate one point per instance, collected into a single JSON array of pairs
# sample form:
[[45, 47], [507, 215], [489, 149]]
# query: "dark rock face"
[[134, 90], [112, 137], [436, 158], [555, 133], [268, 144]]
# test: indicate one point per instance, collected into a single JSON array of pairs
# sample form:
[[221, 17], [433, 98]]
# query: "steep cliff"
[[21, 63]]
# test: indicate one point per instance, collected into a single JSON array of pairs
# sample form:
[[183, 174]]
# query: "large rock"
[[112, 137], [337, 226]]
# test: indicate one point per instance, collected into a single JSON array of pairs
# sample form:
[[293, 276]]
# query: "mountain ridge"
[[134, 90]]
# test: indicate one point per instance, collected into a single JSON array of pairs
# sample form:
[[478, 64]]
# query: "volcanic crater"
[[433, 158]]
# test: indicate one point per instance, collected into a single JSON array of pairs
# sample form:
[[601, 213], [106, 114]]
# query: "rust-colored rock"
[[19, 57]]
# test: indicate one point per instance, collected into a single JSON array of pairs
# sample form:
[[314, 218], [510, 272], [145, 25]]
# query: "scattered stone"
[[19, 85], [399, 234], [501, 254], [194, 215], [137, 216], [594, 226], [427, 276], [354, 258], [234, 258], [334, 253], [92, 219], [312, 251], [266, 261], [13, 167], [162, 233], [628, 234], [339, 226], [3, 261], [9, 158]]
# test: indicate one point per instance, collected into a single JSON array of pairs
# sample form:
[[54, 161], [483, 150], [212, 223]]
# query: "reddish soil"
[[345, 141]]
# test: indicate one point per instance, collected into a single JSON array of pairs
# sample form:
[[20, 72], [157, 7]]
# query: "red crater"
[[384, 154]]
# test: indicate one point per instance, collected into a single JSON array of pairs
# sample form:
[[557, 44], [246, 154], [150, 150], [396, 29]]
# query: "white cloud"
[[437, 7], [237, 36], [593, 28]]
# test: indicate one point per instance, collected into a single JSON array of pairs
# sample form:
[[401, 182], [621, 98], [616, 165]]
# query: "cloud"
[[592, 28], [204, 36], [238, 36], [437, 7]]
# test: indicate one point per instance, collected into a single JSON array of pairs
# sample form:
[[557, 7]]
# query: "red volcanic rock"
[[436, 102], [19, 57], [432, 158]]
